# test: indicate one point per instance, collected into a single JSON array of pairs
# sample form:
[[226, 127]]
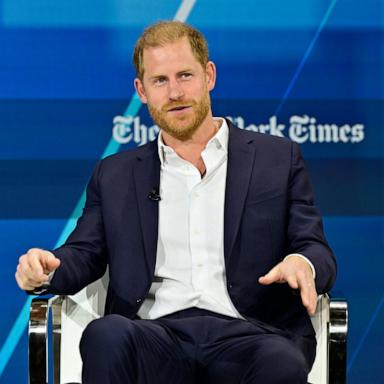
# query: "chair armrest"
[[337, 341], [38, 338]]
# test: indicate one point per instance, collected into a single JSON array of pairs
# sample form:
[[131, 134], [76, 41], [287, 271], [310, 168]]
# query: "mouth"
[[179, 108]]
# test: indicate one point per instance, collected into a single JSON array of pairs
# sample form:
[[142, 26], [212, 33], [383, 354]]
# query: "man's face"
[[176, 88]]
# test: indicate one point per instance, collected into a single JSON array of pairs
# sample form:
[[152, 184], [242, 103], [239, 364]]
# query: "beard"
[[183, 126]]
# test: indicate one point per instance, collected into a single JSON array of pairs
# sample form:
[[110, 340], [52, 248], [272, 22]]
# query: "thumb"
[[51, 263], [274, 275]]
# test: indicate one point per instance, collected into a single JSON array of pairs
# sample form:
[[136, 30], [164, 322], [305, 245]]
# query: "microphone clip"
[[154, 195]]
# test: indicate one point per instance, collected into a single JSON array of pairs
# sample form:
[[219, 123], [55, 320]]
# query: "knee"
[[106, 333], [279, 362], [106, 351], [291, 366]]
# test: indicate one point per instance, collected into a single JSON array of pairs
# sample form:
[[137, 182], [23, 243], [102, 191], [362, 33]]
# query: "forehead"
[[171, 56]]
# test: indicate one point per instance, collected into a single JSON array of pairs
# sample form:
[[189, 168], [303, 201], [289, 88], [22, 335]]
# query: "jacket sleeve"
[[83, 256], [305, 229]]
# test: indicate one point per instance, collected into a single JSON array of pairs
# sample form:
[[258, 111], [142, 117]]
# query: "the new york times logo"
[[128, 128], [302, 129]]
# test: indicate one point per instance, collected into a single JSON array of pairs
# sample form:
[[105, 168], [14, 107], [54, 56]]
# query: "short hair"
[[166, 32]]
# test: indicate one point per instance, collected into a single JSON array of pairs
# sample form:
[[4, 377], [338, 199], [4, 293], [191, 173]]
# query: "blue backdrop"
[[309, 70]]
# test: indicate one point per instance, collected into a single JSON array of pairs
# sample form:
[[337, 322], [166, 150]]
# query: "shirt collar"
[[220, 139]]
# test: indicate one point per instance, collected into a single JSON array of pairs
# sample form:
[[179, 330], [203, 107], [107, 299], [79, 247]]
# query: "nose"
[[176, 91]]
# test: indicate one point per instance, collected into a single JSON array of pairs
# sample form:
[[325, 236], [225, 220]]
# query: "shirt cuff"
[[44, 287], [39, 290], [306, 259]]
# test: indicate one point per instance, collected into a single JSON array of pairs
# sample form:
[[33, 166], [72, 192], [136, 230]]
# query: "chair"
[[69, 315]]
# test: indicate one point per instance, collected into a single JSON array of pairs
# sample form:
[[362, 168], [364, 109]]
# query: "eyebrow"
[[185, 70], [154, 77]]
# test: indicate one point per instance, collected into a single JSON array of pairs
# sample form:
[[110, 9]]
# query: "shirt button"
[[195, 195], [200, 265]]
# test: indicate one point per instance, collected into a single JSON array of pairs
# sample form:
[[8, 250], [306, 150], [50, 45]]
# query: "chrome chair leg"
[[337, 341]]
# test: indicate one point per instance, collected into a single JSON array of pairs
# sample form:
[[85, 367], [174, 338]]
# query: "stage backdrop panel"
[[309, 70]]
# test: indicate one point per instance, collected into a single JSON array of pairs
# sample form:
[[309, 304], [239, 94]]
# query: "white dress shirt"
[[190, 267]]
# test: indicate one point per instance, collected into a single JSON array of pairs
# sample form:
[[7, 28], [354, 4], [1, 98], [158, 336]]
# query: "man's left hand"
[[297, 273]]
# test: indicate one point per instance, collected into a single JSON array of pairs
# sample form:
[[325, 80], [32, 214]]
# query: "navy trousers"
[[192, 346]]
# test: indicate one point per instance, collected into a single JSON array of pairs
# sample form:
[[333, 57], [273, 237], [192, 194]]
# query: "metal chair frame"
[[42, 308]]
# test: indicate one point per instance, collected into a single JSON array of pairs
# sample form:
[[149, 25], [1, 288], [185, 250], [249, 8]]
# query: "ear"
[[140, 90], [210, 72]]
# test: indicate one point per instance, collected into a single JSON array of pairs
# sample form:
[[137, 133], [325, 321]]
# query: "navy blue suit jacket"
[[269, 213]]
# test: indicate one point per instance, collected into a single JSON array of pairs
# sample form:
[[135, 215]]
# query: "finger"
[[35, 264], [23, 268], [292, 281], [305, 286], [309, 299], [25, 283], [21, 283], [274, 275], [313, 299], [24, 275], [308, 292], [27, 273], [20, 280], [42, 262]]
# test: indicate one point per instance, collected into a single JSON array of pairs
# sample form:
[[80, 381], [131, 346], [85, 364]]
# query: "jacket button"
[[230, 286], [138, 301]]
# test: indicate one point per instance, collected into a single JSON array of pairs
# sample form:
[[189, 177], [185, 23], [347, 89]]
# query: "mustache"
[[177, 104]]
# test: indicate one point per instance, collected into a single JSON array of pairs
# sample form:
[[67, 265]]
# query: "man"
[[215, 250]]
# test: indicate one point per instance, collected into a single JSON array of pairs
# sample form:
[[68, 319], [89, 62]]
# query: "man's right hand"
[[34, 267]]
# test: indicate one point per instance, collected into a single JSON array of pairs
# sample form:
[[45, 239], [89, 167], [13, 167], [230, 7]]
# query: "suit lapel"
[[239, 170], [147, 178]]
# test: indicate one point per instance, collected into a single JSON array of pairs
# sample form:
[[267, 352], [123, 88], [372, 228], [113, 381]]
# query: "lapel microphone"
[[154, 195]]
